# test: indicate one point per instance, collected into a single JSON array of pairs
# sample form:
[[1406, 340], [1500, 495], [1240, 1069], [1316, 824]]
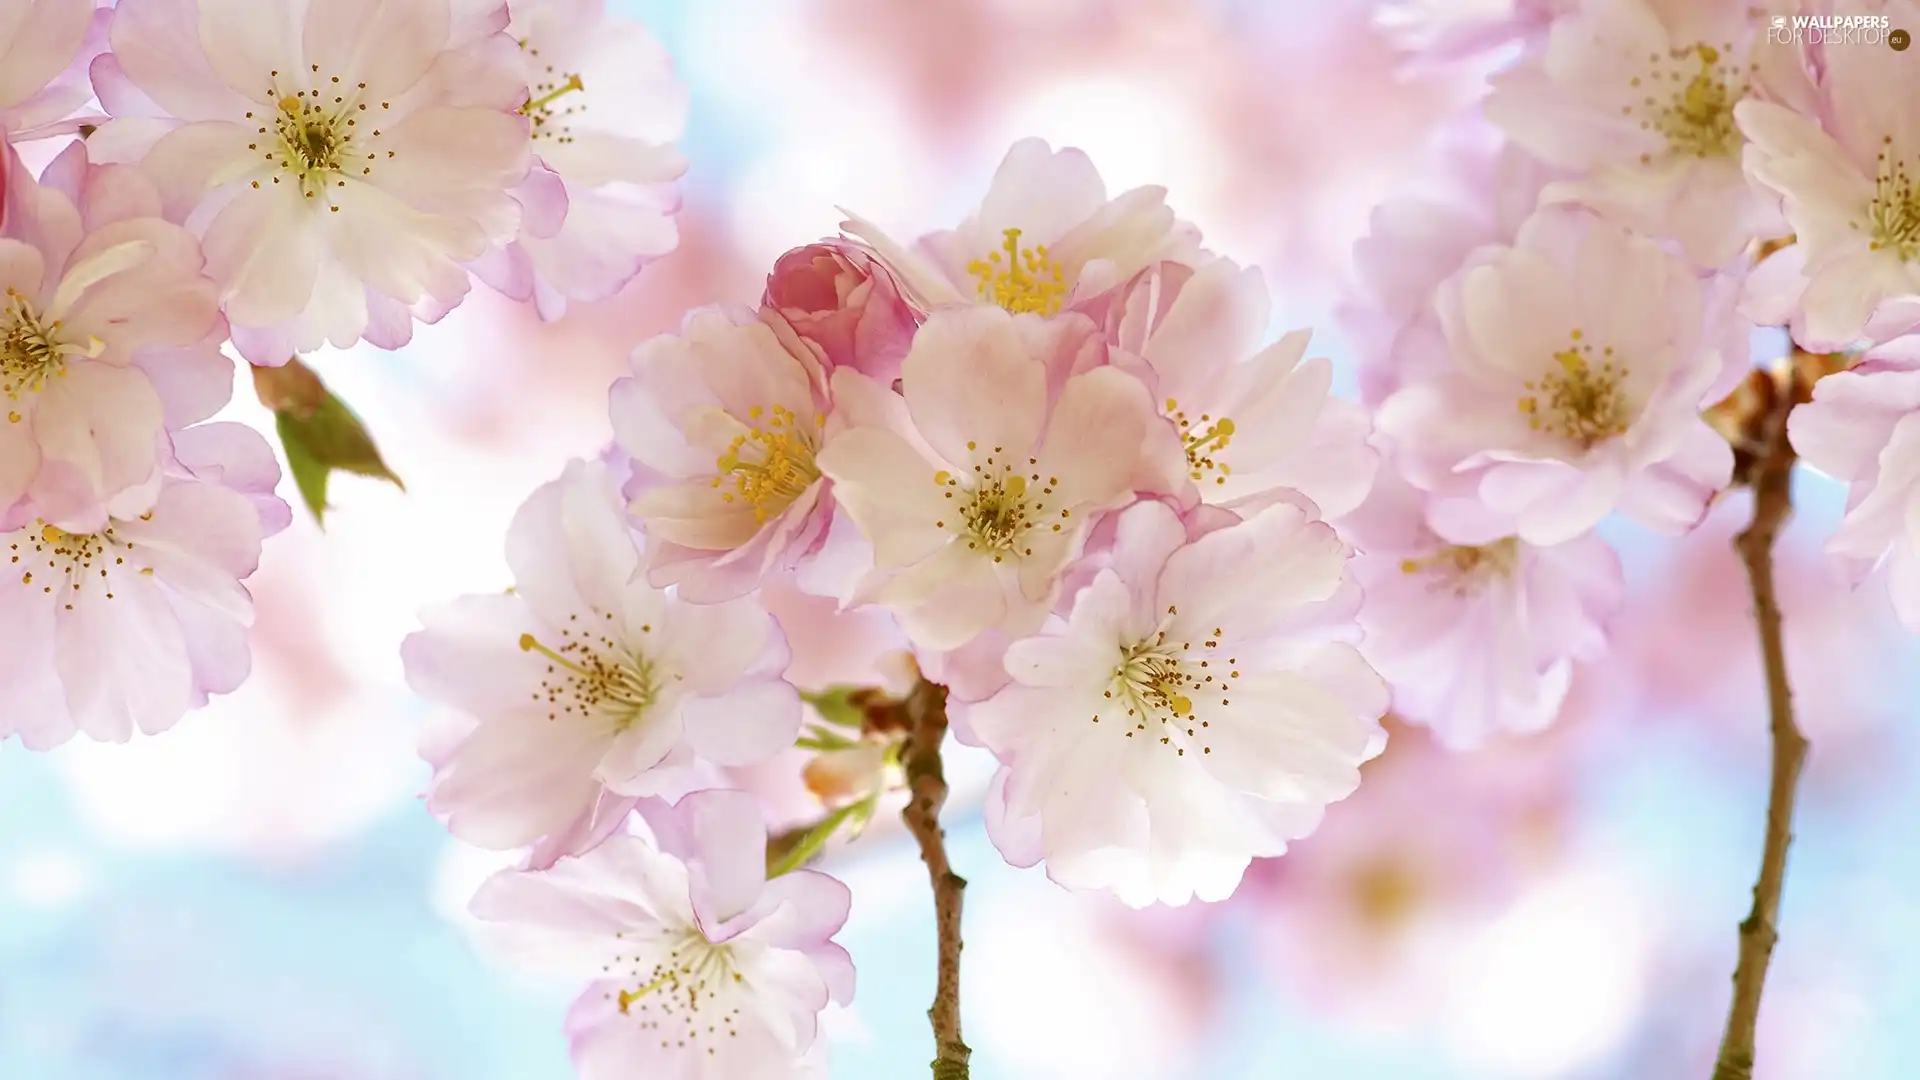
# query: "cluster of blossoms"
[[1050, 447], [1153, 567], [1646, 184], [279, 176]]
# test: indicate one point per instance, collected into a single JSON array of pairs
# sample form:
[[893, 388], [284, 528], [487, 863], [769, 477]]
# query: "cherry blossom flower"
[[105, 311], [1441, 31], [724, 422], [1476, 638], [1414, 244], [1842, 165], [584, 681], [605, 111], [340, 174], [700, 965], [1045, 236], [1582, 356], [839, 295], [976, 487], [130, 626], [1639, 97], [40, 42], [1370, 920], [1251, 421], [1863, 428], [1196, 711]]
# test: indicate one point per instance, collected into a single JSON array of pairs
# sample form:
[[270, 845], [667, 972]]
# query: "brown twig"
[[1771, 478], [926, 709]]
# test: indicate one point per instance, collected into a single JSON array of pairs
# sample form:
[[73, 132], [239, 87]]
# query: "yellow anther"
[[572, 84], [1021, 280], [770, 465], [1581, 402]]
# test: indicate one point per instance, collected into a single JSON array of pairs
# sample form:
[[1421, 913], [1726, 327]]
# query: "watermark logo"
[[1837, 30]]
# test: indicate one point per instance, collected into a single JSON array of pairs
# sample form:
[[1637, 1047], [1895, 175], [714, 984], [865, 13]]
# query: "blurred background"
[[260, 895]]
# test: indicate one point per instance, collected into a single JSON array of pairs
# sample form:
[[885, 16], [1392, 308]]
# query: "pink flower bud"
[[840, 296]]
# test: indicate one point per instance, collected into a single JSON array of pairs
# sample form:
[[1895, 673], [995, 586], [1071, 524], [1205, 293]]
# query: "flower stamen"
[[316, 137], [771, 465], [540, 103], [679, 989], [603, 681], [549, 122], [999, 509], [1894, 213], [1463, 569], [30, 351], [1203, 440], [1696, 117], [71, 559], [1582, 403], [1021, 280], [1165, 681]]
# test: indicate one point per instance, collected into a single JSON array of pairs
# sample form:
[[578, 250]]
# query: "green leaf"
[[319, 433], [810, 845], [821, 740], [863, 812], [836, 705]]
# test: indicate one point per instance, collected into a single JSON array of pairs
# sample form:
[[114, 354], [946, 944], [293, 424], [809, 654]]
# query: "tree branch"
[[926, 709], [1771, 478]]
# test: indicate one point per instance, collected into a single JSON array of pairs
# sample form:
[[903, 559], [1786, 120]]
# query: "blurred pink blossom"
[[1478, 638], [1565, 402], [1415, 242], [1663, 158], [1360, 918], [1685, 642], [1861, 428]]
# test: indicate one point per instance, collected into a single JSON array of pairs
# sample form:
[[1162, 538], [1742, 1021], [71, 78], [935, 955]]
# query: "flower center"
[[70, 560], [678, 996], [1894, 213], [1203, 439], [1000, 507], [30, 353], [772, 464], [548, 88], [315, 135], [1579, 401], [1167, 688], [1466, 570], [591, 675], [1387, 893], [1019, 279], [1689, 98]]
